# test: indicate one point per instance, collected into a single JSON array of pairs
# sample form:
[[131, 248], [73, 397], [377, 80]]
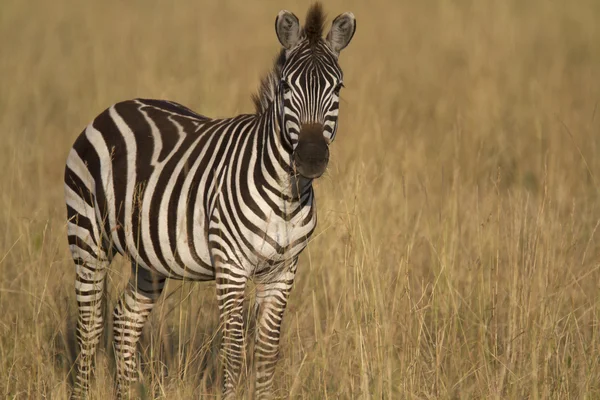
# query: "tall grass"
[[457, 254]]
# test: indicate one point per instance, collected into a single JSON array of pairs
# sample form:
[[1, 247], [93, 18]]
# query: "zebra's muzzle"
[[312, 152]]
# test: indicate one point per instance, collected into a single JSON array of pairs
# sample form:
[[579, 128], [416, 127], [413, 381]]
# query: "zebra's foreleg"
[[271, 300], [231, 284], [130, 315]]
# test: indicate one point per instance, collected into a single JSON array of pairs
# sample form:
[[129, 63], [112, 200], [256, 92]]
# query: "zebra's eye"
[[285, 86], [337, 88]]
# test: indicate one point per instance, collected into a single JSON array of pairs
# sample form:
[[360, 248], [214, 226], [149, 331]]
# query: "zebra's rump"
[[121, 167]]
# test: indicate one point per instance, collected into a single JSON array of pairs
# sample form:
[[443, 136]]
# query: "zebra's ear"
[[287, 27], [342, 30]]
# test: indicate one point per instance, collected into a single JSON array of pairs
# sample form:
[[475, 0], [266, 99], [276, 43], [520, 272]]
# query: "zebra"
[[184, 196]]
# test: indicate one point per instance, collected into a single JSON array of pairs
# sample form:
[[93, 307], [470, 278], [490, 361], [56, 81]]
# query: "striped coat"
[[184, 196]]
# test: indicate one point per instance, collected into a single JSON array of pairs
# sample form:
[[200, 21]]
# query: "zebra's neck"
[[276, 159]]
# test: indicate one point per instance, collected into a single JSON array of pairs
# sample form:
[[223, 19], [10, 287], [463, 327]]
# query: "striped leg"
[[231, 283], [89, 288], [130, 315], [90, 272], [271, 300]]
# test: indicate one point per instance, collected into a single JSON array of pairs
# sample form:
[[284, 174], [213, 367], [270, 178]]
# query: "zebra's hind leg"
[[130, 315], [91, 265]]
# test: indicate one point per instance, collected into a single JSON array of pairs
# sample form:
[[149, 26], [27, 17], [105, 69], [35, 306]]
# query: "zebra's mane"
[[267, 91], [313, 27], [313, 32]]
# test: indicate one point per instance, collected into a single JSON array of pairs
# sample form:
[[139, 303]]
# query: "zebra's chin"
[[311, 172]]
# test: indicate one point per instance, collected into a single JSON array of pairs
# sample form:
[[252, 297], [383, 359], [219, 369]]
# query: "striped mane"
[[313, 27], [267, 91]]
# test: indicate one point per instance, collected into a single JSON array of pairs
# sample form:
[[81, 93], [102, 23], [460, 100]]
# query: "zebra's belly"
[[172, 244], [189, 261]]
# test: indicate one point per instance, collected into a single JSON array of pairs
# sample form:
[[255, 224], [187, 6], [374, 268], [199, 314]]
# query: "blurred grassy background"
[[456, 255]]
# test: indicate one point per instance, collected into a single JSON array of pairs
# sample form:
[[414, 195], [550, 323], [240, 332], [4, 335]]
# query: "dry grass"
[[457, 254]]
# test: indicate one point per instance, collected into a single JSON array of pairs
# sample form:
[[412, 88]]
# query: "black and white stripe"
[[184, 196]]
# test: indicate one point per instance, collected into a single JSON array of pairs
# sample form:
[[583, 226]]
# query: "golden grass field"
[[457, 254]]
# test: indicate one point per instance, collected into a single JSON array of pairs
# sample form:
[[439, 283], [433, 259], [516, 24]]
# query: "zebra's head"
[[310, 84]]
